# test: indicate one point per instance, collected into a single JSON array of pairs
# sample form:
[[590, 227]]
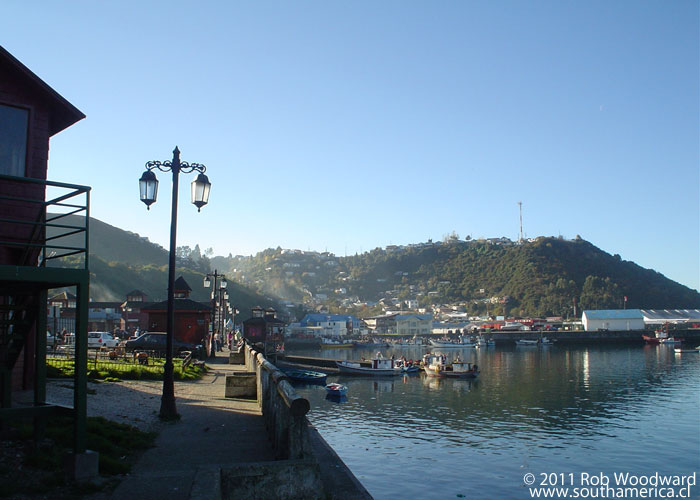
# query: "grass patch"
[[110, 370], [29, 469]]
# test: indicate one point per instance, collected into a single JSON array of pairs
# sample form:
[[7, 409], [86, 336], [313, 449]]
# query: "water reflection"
[[546, 409]]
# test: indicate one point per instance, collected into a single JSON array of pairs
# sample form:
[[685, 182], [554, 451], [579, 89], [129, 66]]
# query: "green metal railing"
[[52, 233]]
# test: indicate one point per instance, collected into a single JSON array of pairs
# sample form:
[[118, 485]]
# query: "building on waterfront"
[[331, 325], [104, 316], [613, 319], [658, 317], [191, 317], [414, 324], [265, 329], [458, 328], [133, 318], [382, 324]]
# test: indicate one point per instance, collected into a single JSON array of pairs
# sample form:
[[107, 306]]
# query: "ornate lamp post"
[[148, 184], [222, 284]]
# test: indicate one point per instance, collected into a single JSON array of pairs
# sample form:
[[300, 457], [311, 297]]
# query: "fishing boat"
[[661, 336], [527, 342], [379, 366], [680, 350], [436, 366], [544, 341], [307, 376], [407, 367], [447, 344], [327, 343], [337, 390]]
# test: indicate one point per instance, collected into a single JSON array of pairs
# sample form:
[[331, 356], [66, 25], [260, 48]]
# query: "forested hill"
[[539, 278], [122, 261]]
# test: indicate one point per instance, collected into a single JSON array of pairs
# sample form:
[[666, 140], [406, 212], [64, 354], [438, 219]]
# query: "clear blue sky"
[[344, 126]]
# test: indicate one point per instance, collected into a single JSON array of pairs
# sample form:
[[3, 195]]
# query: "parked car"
[[156, 341], [101, 339]]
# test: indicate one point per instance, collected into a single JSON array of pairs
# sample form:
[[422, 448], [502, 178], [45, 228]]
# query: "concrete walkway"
[[216, 432], [213, 431]]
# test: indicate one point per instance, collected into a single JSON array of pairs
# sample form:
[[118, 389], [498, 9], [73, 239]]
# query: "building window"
[[14, 123]]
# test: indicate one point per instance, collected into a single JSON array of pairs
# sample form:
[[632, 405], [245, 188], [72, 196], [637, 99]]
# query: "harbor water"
[[533, 412]]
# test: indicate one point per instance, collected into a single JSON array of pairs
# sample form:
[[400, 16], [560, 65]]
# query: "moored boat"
[[680, 350], [446, 344], [437, 366], [527, 342], [379, 366], [327, 343], [307, 376], [336, 389]]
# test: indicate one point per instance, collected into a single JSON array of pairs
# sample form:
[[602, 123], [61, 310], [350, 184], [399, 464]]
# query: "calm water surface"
[[538, 410]]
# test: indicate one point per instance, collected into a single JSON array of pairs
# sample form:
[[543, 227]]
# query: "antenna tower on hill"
[[520, 204]]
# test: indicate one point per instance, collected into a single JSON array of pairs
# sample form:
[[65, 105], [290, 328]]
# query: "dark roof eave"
[[63, 114]]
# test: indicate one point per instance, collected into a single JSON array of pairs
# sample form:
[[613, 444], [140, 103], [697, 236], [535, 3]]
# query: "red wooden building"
[[191, 317], [34, 232]]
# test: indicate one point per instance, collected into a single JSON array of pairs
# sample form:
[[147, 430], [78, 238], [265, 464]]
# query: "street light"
[[148, 187], [222, 284]]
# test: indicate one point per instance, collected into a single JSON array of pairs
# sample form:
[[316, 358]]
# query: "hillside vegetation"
[[122, 261], [544, 277]]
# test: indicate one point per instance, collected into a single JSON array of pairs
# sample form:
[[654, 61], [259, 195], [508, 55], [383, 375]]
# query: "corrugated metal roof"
[[421, 317], [614, 314], [671, 314]]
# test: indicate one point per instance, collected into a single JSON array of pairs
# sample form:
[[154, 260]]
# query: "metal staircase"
[[34, 236]]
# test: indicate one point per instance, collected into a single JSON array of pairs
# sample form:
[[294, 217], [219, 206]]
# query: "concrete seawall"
[[306, 467]]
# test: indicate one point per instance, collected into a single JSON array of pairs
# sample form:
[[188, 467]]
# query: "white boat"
[[436, 366], [680, 350], [379, 366], [670, 340], [327, 343], [446, 344], [527, 342], [544, 341]]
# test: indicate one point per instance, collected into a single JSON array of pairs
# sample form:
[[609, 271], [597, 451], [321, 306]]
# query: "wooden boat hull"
[[349, 369], [432, 372], [336, 390], [450, 345], [337, 346], [307, 377]]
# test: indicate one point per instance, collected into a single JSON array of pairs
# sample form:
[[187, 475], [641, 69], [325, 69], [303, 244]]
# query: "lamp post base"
[[168, 410]]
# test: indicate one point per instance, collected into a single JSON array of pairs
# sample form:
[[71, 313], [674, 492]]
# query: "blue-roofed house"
[[613, 319]]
